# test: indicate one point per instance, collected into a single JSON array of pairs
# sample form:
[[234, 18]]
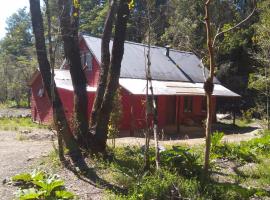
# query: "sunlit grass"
[[14, 124]]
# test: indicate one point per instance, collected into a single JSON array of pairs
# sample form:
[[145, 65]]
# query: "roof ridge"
[[144, 45]]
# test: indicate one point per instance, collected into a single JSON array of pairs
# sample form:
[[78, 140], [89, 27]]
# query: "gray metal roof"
[[179, 66]]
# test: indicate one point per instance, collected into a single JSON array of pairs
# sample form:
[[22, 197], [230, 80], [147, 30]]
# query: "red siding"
[[40, 106], [92, 75]]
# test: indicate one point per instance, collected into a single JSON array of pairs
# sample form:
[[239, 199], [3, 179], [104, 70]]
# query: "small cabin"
[[178, 78]]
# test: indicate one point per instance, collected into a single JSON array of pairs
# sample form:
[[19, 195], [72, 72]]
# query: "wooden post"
[[234, 108], [132, 124], [178, 113]]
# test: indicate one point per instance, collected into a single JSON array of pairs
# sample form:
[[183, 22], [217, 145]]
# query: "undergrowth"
[[15, 124], [181, 172]]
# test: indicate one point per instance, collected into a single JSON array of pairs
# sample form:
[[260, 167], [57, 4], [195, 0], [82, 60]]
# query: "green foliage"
[[259, 80], [179, 176], [115, 117], [17, 61], [216, 142], [92, 17], [169, 185], [40, 185], [10, 123], [246, 151], [181, 159]]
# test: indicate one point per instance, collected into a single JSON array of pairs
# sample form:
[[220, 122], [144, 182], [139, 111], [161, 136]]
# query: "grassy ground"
[[238, 171], [14, 124]]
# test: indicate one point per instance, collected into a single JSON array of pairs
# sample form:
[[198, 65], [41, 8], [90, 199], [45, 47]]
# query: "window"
[[86, 60], [188, 104], [40, 92], [203, 105]]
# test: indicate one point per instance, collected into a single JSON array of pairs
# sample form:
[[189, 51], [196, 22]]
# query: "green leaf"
[[26, 177], [28, 194], [64, 194], [38, 175]]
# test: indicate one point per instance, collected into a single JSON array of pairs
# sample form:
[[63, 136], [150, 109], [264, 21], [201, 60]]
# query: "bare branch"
[[235, 26]]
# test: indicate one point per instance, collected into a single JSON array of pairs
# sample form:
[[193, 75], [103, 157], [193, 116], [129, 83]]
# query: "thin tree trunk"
[[267, 99], [208, 87], [153, 104], [150, 86], [52, 61], [44, 67], [101, 129], [105, 62], [69, 23]]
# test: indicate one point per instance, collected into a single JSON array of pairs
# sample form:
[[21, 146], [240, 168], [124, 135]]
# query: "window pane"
[[188, 104], [203, 104], [89, 58]]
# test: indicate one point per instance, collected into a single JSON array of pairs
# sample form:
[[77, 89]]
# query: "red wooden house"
[[177, 81]]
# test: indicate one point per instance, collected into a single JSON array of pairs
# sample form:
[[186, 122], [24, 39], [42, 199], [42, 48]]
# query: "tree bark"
[[69, 22], [44, 67], [105, 62], [52, 58], [101, 128], [208, 87]]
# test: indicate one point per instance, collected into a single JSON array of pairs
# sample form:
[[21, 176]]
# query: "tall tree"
[[105, 62], [16, 52], [101, 126], [69, 23], [260, 79], [208, 85], [44, 67]]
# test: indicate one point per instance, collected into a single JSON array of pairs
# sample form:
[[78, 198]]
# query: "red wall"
[[40, 106], [170, 108], [92, 75]]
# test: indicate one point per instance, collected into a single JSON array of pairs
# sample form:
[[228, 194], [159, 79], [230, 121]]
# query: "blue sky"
[[7, 8]]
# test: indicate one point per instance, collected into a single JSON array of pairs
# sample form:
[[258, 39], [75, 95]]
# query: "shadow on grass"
[[232, 129], [242, 192], [87, 174]]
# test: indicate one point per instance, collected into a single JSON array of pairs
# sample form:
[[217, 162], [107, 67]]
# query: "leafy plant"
[[40, 185], [181, 159], [216, 139]]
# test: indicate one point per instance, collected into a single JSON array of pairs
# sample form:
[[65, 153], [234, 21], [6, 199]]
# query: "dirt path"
[[132, 141], [17, 155], [15, 112]]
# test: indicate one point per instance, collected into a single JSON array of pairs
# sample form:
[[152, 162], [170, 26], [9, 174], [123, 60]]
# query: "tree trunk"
[[44, 67], [105, 63], [267, 99], [52, 59], [69, 22], [101, 128], [208, 87]]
